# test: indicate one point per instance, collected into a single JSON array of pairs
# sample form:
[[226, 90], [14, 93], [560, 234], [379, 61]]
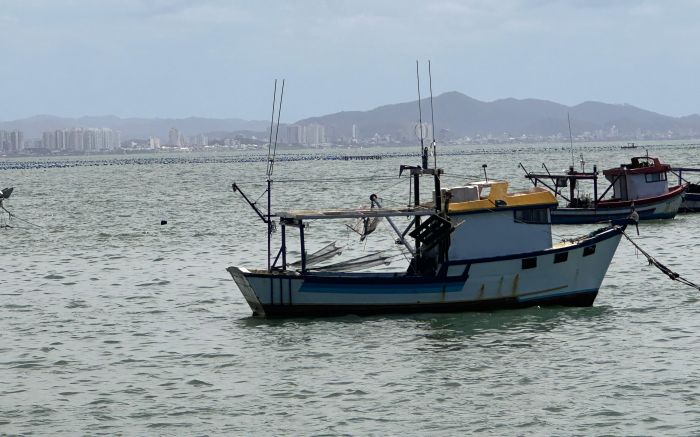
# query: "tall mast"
[[272, 122], [423, 151], [432, 116], [571, 140], [271, 152]]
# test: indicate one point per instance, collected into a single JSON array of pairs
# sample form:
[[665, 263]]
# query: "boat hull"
[[568, 276], [691, 202], [666, 207]]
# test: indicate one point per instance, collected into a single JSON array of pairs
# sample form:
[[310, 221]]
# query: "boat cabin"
[[643, 177], [492, 222]]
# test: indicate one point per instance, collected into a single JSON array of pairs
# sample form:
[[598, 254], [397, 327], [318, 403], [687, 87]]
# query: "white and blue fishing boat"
[[472, 247], [472, 252], [640, 186]]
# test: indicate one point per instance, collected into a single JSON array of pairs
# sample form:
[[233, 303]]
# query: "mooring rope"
[[656, 263], [14, 216]]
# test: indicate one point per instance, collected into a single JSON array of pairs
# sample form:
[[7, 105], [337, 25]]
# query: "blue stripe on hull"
[[584, 298], [580, 219], [320, 287]]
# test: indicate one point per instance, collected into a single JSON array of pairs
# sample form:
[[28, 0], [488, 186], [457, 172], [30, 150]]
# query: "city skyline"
[[126, 58], [461, 119]]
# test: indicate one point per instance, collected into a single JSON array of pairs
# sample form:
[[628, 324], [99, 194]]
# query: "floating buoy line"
[[12, 164], [664, 269]]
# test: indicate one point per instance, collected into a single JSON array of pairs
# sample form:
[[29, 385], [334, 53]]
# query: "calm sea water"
[[113, 324]]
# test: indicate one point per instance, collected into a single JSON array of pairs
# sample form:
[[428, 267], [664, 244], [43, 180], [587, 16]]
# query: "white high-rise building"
[[200, 140], [174, 137], [79, 139], [17, 140], [11, 141], [295, 134], [314, 134]]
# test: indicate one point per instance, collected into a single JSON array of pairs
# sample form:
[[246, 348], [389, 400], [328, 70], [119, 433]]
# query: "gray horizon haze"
[[218, 59]]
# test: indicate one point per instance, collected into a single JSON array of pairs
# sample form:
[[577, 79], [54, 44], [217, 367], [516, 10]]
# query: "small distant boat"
[[629, 146], [640, 187]]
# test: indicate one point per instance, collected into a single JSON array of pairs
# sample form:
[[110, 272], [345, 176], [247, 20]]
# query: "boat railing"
[[678, 171]]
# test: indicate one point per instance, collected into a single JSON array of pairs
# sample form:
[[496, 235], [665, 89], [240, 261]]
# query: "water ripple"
[[113, 324]]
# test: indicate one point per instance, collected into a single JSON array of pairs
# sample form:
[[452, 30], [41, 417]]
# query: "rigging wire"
[[420, 112], [277, 131], [571, 140], [432, 117], [375, 178], [272, 122]]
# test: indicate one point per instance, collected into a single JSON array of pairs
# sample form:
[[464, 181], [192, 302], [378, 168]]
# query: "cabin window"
[[529, 263], [485, 192], [561, 257], [532, 216], [589, 250], [655, 177]]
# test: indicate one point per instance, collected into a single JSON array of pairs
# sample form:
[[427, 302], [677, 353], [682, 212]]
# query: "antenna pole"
[[423, 152], [272, 121], [571, 140], [432, 116], [279, 111], [270, 167], [269, 180]]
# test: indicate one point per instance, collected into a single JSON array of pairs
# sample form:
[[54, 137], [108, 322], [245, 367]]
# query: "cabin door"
[[621, 188]]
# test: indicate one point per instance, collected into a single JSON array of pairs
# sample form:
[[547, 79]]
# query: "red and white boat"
[[640, 186]]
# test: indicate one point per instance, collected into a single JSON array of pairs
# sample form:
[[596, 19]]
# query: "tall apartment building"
[[11, 141], [174, 137], [315, 134], [295, 134], [82, 139], [311, 134], [200, 140]]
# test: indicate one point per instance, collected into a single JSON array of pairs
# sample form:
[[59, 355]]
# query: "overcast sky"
[[218, 58]]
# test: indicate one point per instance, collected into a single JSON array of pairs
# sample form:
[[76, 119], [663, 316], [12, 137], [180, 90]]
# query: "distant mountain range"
[[461, 115], [456, 115]]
